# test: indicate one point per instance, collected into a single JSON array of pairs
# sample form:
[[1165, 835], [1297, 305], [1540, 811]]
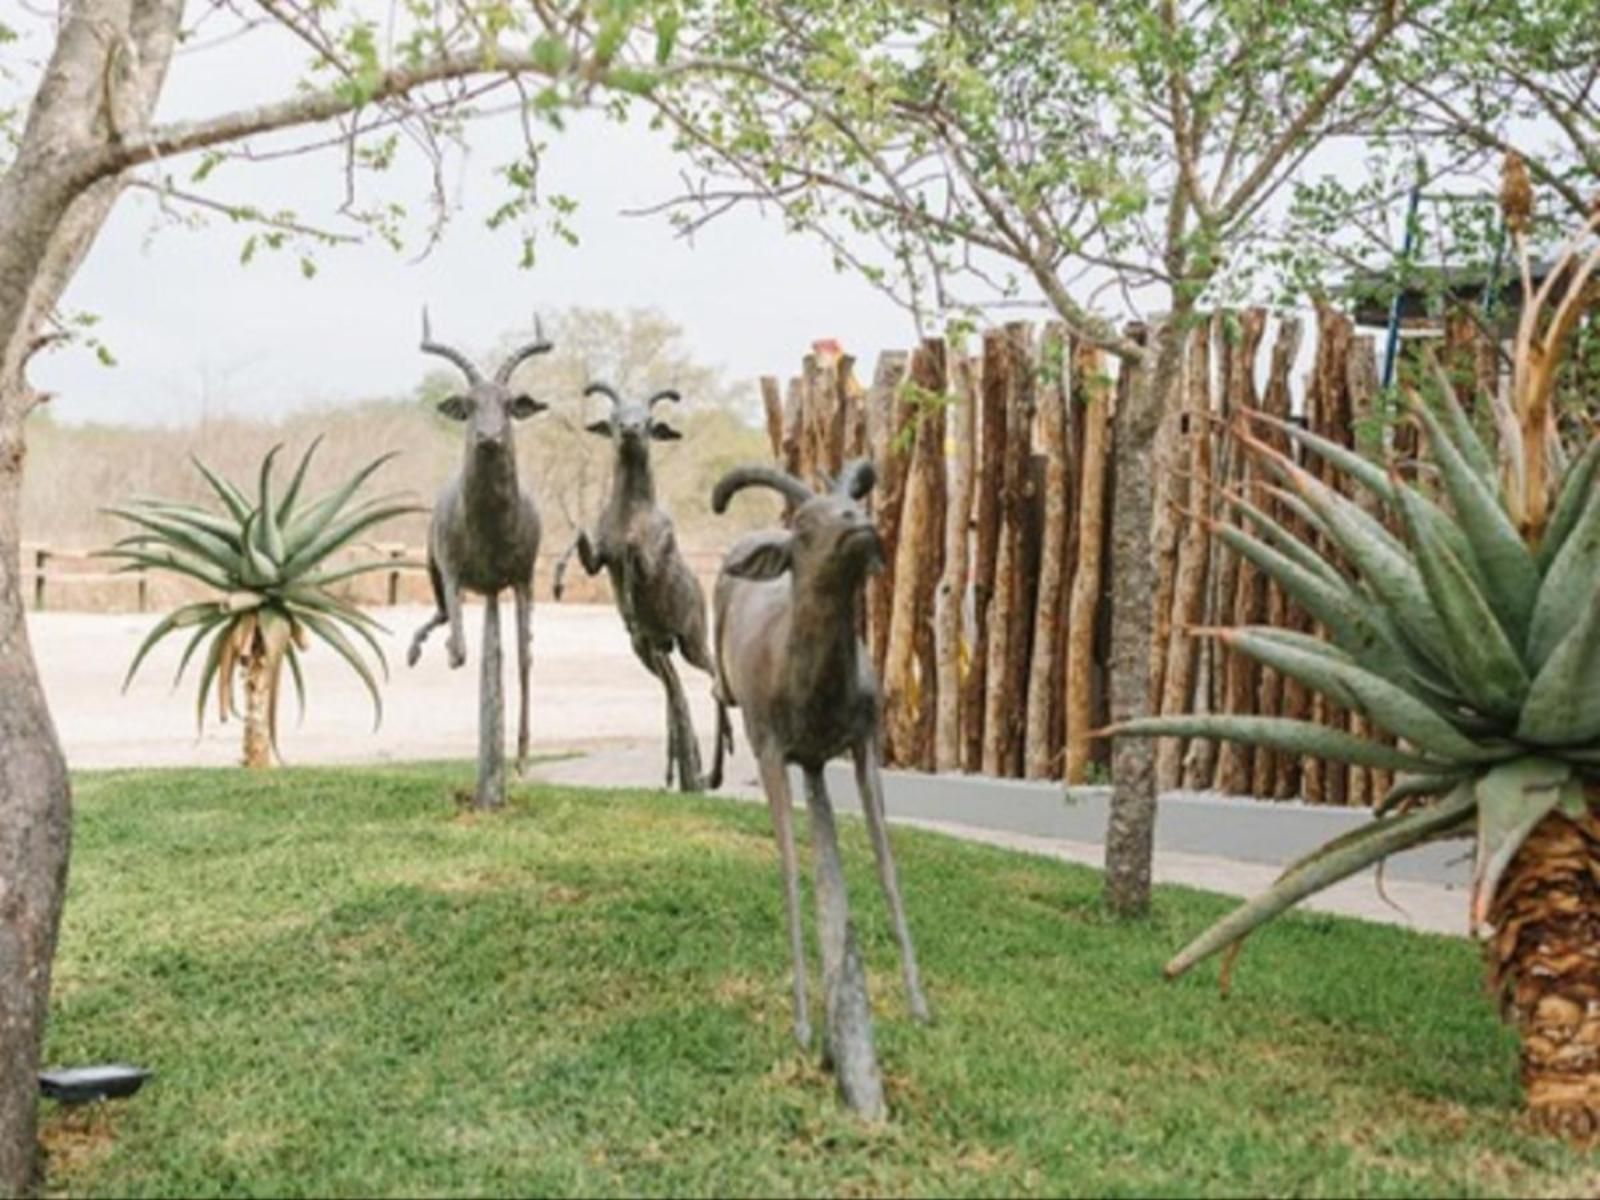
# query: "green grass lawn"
[[349, 987]]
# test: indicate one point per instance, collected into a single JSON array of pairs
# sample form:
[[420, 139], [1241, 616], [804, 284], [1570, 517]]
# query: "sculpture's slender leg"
[[456, 647], [844, 983], [869, 782], [439, 617], [491, 789], [524, 600], [686, 750], [775, 782]]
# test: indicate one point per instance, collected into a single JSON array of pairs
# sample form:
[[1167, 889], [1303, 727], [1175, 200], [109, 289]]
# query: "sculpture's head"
[[488, 406], [632, 425], [830, 540]]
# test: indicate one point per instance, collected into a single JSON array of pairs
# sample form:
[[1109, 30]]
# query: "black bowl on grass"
[[79, 1085]]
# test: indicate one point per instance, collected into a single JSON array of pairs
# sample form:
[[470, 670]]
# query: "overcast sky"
[[189, 326]]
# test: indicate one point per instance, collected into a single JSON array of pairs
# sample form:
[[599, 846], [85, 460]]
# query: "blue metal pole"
[[1407, 248]]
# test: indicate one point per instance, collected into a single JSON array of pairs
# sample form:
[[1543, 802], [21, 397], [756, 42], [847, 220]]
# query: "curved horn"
[[664, 394], [539, 345], [739, 478], [606, 390], [856, 479], [429, 346]]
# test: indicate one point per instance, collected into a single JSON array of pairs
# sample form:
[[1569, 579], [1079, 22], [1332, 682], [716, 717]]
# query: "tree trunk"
[[961, 422], [1130, 832], [1053, 445], [1022, 544], [35, 833], [257, 697], [772, 405], [1544, 962], [883, 424], [1093, 399]]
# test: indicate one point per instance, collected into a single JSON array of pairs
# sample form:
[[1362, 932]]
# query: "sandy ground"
[[588, 690], [591, 698]]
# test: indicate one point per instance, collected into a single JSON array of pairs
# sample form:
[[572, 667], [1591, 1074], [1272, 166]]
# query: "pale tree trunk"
[[1130, 833], [257, 699], [110, 56]]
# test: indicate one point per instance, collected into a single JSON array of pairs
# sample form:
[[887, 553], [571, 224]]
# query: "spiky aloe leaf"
[[1389, 706], [323, 579], [1503, 561], [201, 545], [1414, 787], [269, 538], [330, 633], [170, 561], [1568, 584], [1462, 436], [291, 655], [1483, 662], [1563, 704], [1280, 733], [1337, 860], [179, 618], [296, 482], [1512, 799], [1279, 537], [340, 533], [208, 670], [311, 521], [232, 498], [1576, 489]]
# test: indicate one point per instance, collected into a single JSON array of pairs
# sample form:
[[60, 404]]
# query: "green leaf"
[[1512, 799], [189, 614], [330, 633], [1483, 662], [1281, 733], [1576, 489], [286, 505], [230, 496], [1563, 704], [1326, 866], [1391, 707], [1507, 569], [1568, 584]]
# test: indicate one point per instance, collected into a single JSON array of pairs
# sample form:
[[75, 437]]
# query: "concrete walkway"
[[592, 698], [986, 807]]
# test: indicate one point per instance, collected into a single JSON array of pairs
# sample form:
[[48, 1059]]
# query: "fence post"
[[395, 553], [40, 558], [144, 589]]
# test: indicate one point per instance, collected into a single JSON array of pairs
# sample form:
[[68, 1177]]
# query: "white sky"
[[190, 327]]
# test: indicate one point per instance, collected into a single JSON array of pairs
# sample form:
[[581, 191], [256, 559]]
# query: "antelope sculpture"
[[788, 656], [659, 598], [484, 537]]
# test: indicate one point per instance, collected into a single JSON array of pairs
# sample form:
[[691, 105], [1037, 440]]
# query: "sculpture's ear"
[[457, 408], [602, 427], [662, 432], [523, 407], [759, 557]]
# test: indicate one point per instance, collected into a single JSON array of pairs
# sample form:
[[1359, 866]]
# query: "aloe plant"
[[267, 558], [1473, 635]]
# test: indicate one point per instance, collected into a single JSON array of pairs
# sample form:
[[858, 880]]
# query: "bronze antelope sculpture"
[[484, 537]]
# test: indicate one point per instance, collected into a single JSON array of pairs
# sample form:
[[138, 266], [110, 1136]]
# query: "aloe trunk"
[[1544, 963], [257, 709]]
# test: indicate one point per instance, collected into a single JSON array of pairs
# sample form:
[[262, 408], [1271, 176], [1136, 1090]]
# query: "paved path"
[[589, 696]]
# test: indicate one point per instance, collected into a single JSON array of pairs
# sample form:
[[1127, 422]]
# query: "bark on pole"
[[1236, 760], [1275, 772], [903, 693], [961, 425], [882, 404], [772, 405], [989, 467], [1130, 832], [1188, 592], [1022, 544], [1052, 410], [1091, 397]]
